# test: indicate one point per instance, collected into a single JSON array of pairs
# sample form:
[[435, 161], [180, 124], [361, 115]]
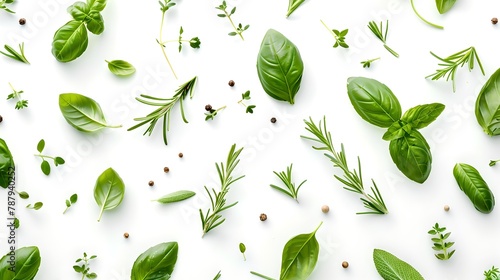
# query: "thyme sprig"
[[339, 36], [238, 30]]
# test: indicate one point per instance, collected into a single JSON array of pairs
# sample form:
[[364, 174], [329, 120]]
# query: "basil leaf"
[[397, 130], [488, 105], [157, 263], [82, 113], [121, 67], [473, 185], [422, 115], [175, 197], [27, 262], [70, 41], [391, 267], [444, 5], [7, 167], [95, 22], [373, 101], [300, 256], [109, 190], [412, 156], [279, 66], [96, 5], [293, 5], [79, 11]]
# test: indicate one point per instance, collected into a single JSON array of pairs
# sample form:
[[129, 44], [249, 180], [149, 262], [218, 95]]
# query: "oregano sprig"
[[72, 200], [21, 103], [246, 96], [440, 243], [286, 178], [84, 267], [339, 36], [367, 63], [238, 30], [45, 166], [12, 53], [378, 31]]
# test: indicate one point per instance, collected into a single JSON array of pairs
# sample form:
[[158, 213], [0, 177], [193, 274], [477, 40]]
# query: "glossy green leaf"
[[109, 190], [422, 115], [412, 156], [121, 67], [397, 130], [373, 101], [96, 5], [74, 198], [24, 195], [27, 262], [7, 168], [45, 167], [40, 146], [473, 185], [243, 248], [157, 263], [175, 197], [300, 256], [279, 66], [293, 5], [95, 22], [488, 105], [70, 41], [81, 112], [59, 161], [444, 6], [391, 267], [79, 11]]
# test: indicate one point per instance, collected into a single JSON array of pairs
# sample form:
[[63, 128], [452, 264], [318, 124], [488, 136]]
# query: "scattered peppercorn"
[[126, 235], [166, 169], [1, 118], [494, 20], [151, 183], [208, 107], [231, 83], [345, 264], [325, 208], [22, 21], [263, 217], [273, 120], [446, 208], [181, 155]]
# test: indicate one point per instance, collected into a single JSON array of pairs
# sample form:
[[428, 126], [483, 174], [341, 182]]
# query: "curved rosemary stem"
[[163, 47], [423, 19]]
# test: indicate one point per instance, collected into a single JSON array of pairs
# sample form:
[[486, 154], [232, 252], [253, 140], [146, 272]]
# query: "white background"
[[131, 30]]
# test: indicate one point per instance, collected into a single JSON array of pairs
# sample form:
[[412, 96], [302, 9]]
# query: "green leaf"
[[109, 190], [279, 66], [70, 41], [396, 130], [300, 256], [444, 6], [473, 185], [78, 268], [68, 203], [422, 115], [92, 275], [73, 198], [17, 223], [41, 145], [488, 105], [391, 267], [95, 22], [38, 205], [121, 67], [412, 156], [79, 11], [82, 113], [175, 197], [7, 167], [250, 109], [243, 248], [59, 161], [373, 101], [45, 167], [24, 195], [293, 5], [96, 5], [27, 263], [156, 263]]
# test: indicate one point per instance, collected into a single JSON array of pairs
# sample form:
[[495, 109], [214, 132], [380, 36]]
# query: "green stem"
[[423, 19], [100, 213], [391, 51], [65, 210], [44, 156], [232, 23], [162, 48], [16, 94], [262, 276], [114, 126], [328, 28], [83, 276]]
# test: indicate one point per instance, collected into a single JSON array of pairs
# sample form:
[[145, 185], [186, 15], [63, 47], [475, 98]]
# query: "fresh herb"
[[210, 115], [164, 7], [84, 268], [7, 166], [243, 249], [193, 42], [494, 162], [444, 6], [487, 107], [423, 19], [473, 185], [175, 197], [17, 223], [492, 274], [120, 67], [217, 277], [109, 190], [237, 30], [450, 64], [377, 30], [36, 206], [72, 200], [299, 257], [391, 267], [213, 218], [293, 5], [246, 96], [165, 107], [20, 104], [19, 56], [352, 179], [286, 178], [339, 36], [27, 263], [158, 262], [279, 66], [367, 63], [440, 243], [4, 7], [45, 164], [83, 113], [23, 195]]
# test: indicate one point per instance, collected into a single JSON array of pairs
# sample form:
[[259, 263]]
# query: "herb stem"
[[329, 30], [44, 156], [391, 50], [262, 276], [423, 19], [163, 47], [232, 23]]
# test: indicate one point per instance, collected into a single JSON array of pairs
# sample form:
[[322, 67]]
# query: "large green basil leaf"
[[95, 22], [391, 267], [473, 185], [27, 262], [279, 66], [70, 41], [373, 101], [79, 11], [488, 105], [82, 113], [96, 5], [300, 256], [422, 115], [412, 156], [444, 5], [157, 263], [293, 5], [109, 190], [7, 167]]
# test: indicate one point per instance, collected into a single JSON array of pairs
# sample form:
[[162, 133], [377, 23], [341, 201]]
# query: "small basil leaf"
[[293, 5], [109, 190], [391, 267], [488, 105], [96, 5], [27, 263], [95, 22], [70, 41], [157, 262], [79, 11], [7, 168], [412, 156], [473, 185], [444, 6], [121, 67], [396, 131], [175, 197], [422, 115]]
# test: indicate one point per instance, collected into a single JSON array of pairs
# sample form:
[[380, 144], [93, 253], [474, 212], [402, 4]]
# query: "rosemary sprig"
[[213, 218], [423, 19], [19, 56], [164, 7], [339, 36], [217, 276], [439, 242], [286, 178], [21, 103], [352, 179], [4, 7], [237, 30], [165, 107], [451, 63], [367, 63], [377, 30], [492, 274]]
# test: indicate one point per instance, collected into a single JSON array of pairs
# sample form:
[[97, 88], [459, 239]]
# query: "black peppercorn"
[[263, 217], [1, 118], [181, 155], [166, 169], [208, 107], [231, 83], [273, 120], [494, 20], [345, 264], [151, 183], [126, 235], [22, 21]]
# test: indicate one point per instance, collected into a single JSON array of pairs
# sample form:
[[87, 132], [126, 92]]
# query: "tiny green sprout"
[[72, 200], [367, 63], [494, 162], [246, 96], [36, 206], [45, 166]]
